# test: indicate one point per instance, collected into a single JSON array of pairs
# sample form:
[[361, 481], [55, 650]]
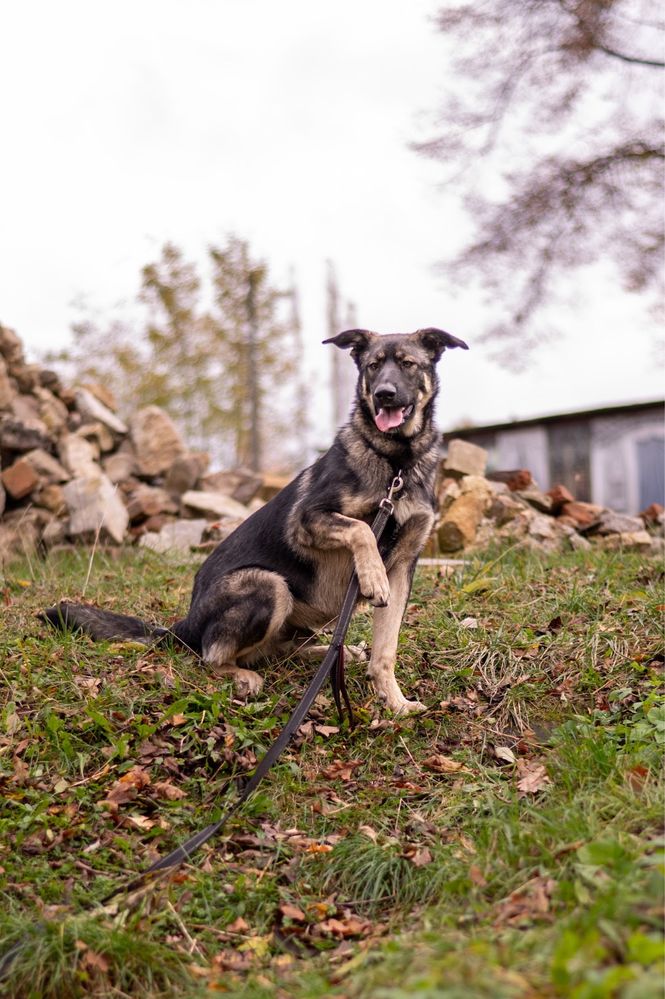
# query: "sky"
[[128, 124]]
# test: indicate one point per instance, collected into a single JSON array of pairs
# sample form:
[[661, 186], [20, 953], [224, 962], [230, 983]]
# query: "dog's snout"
[[385, 393]]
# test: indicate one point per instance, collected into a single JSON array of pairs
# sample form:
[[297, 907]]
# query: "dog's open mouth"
[[388, 419]]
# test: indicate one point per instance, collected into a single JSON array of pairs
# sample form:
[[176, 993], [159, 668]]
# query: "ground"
[[508, 843]]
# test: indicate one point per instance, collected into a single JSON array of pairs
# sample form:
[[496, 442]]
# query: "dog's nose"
[[385, 393]]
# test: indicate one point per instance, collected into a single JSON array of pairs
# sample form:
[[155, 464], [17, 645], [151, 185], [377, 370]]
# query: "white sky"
[[127, 124]]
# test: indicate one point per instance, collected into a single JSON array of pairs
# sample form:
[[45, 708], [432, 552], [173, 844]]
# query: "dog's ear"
[[357, 340], [436, 341]]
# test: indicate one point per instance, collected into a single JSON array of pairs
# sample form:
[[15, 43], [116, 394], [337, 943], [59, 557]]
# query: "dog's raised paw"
[[374, 585]]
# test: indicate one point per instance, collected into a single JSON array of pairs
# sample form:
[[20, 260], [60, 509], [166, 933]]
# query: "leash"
[[332, 666]]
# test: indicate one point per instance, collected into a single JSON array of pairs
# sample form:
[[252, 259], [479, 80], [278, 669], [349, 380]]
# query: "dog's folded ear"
[[436, 341], [357, 340]]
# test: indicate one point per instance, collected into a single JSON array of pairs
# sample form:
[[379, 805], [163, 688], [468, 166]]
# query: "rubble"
[[72, 470]]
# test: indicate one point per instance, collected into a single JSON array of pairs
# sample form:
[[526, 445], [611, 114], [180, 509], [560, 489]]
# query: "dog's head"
[[397, 374]]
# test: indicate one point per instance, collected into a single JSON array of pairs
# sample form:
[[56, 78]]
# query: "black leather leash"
[[332, 666]]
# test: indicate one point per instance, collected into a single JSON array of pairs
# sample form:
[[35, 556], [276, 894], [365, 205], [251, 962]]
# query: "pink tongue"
[[386, 419]]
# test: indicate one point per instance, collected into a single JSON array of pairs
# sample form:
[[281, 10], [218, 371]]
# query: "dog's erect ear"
[[357, 340], [436, 341]]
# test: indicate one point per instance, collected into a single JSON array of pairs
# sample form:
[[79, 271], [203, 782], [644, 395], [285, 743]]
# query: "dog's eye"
[[407, 364], [373, 365]]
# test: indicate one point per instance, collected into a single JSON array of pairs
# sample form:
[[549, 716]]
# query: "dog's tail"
[[101, 624]]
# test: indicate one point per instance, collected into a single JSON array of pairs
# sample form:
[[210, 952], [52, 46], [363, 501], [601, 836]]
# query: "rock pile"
[[478, 509], [72, 470]]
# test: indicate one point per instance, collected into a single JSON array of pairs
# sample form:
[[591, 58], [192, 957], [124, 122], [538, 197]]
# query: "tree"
[[227, 374], [553, 133]]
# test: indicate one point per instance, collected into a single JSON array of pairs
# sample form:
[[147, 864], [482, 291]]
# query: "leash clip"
[[396, 486]]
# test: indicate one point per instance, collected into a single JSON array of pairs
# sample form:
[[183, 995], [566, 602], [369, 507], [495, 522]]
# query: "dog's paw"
[[408, 708], [246, 682], [374, 585]]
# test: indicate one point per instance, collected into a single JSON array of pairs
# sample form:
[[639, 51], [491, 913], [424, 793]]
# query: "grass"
[[509, 843]]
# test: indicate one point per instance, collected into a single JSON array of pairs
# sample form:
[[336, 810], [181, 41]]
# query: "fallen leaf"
[[369, 832], [93, 960], [420, 857], [140, 822], [319, 848], [165, 789], [476, 876], [326, 730], [505, 754], [444, 764], [526, 904], [292, 912], [533, 777], [341, 770], [237, 926], [469, 622]]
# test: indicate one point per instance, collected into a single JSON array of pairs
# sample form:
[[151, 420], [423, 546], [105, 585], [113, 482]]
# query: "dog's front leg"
[[325, 531], [386, 625]]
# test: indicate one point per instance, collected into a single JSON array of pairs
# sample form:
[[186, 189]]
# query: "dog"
[[284, 571]]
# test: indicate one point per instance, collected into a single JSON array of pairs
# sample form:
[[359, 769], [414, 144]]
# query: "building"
[[614, 456]]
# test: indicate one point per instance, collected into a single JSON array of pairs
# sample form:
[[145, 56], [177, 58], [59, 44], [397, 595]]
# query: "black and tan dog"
[[286, 568]]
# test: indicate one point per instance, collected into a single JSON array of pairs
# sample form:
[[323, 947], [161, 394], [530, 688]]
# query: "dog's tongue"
[[386, 419]]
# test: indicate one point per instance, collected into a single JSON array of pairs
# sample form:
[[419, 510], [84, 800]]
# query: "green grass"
[[507, 843]]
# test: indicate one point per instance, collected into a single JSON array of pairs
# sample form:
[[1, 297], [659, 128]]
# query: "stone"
[[617, 523], [476, 484], [181, 535], [78, 456], [103, 394], [7, 388], [559, 495], [185, 471], [214, 504], [99, 435], [518, 478], [52, 411], [634, 540], [50, 497], [156, 440], [46, 466], [11, 347], [95, 411], [26, 409], [503, 508], [460, 524], [19, 533], [239, 483], [147, 501], [449, 490], [272, 484], [575, 540], [654, 515], [55, 533], [50, 380], [535, 498], [464, 458], [17, 436], [95, 508], [120, 465], [3, 499], [582, 514], [542, 528], [19, 479]]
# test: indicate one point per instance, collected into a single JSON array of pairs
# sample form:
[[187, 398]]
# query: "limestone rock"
[[50, 497], [214, 504], [95, 507], [96, 412], [16, 436], [185, 472], [147, 501], [46, 466], [634, 540], [653, 515], [535, 498], [78, 456], [461, 522], [156, 440], [7, 390], [617, 523], [464, 458], [99, 436], [11, 347], [120, 465], [559, 495], [181, 535], [239, 483]]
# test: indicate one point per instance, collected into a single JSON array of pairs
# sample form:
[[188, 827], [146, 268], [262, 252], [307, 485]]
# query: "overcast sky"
[[127, 124]]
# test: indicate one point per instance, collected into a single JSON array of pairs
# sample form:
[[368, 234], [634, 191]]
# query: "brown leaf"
[[341, 769], [504, 753], [533, 777], [326, 730], [93, 960], [165, 789], [237, 926], [420, 857], [292, 912], [347, 926], [444, 764], [476, 876], [526, 904], [369, 832]]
